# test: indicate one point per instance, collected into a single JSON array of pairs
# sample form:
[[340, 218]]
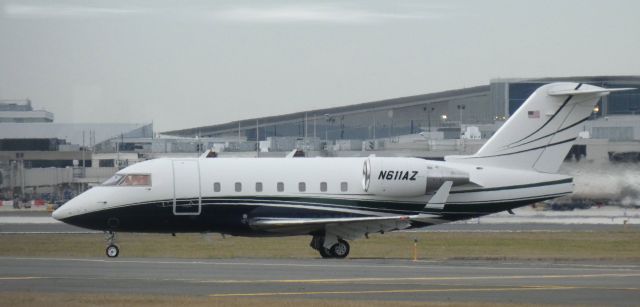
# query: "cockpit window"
[[128, 180], [113, 180], [136, 180]]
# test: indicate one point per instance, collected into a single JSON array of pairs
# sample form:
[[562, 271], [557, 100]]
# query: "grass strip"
[[614, 246]]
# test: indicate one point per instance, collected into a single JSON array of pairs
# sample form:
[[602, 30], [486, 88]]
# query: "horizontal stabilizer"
[[595, 90]]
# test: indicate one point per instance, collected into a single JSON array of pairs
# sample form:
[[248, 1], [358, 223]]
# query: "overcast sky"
[[206, 62]]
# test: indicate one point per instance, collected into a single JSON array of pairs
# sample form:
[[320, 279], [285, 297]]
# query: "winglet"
[[440, 198]]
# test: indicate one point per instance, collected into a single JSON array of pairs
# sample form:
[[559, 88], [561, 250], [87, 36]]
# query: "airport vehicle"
[[339, 199]]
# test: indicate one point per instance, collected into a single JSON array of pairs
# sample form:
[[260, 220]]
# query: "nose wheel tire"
[[112, 251]]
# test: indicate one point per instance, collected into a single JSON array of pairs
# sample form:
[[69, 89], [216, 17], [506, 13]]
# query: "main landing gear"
[[112, 250], [339, 250]]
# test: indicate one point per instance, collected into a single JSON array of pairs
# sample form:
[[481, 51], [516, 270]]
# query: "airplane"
[[335, 200]]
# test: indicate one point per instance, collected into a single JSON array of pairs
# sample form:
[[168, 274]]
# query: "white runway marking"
[[28, 220]]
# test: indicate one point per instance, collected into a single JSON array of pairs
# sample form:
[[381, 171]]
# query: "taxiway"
[[351, 279]]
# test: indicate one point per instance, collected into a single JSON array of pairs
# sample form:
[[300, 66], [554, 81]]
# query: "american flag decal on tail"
[[534, 114]]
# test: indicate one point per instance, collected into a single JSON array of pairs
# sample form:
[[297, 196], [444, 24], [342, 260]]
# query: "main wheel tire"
[[112, 251], [340, 249]]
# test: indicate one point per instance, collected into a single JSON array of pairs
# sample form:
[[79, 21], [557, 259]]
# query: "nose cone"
[[61, 213], [70, 208], [56, 214], [78, 212]]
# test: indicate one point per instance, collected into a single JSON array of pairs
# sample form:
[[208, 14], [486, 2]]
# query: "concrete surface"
[[350, 279]]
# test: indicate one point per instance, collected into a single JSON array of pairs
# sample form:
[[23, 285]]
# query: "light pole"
[[12, 178], [374, 125], [460, 108], [257, 139], [428, 110], [329, 119], [390, 115]]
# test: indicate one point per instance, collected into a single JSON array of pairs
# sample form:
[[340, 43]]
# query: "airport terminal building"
[[424, 120], [38, 155]]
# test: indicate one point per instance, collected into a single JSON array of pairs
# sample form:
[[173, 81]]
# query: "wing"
[[350, 228], [366, 224]]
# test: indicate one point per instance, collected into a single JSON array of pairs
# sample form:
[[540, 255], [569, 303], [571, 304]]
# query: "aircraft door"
[[187, 197]]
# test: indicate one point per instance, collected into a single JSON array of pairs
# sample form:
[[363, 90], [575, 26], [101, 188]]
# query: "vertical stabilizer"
[[541, 132]]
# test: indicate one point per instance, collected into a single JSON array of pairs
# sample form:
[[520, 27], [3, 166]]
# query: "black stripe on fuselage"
[[232, 219], [355, 206], [226, 215], [382, 206], [512, 187]]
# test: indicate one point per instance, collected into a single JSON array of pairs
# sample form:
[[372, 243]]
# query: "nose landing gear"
[[112, 250]]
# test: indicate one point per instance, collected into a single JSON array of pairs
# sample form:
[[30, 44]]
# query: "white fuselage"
[[305, 179]]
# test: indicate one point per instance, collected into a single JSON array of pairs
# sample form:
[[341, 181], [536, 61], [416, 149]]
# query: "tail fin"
[[541, 132]]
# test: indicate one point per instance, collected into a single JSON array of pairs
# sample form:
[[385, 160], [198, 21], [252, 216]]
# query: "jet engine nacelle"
[[406, 177]]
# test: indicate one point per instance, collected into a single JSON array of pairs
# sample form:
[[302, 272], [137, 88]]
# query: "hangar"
[[447, 112]]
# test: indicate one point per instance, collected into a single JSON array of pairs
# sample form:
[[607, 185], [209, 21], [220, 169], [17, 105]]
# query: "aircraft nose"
[[58, 214], [64, 211]]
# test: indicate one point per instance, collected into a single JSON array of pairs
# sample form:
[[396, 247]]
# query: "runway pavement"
[[350, 279], [50, 228]]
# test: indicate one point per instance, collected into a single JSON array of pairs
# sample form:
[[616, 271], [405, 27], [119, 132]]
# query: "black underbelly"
[[160, 218]]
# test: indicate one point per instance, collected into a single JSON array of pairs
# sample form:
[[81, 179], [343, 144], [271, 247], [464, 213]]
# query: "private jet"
[[335, 200]]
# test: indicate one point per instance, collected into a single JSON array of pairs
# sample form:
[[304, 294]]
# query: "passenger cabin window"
[[323, 186], [129, 180], [302, 186], [258, 186], [280, 186], [344, 186], [216, 187], [238, 187]]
